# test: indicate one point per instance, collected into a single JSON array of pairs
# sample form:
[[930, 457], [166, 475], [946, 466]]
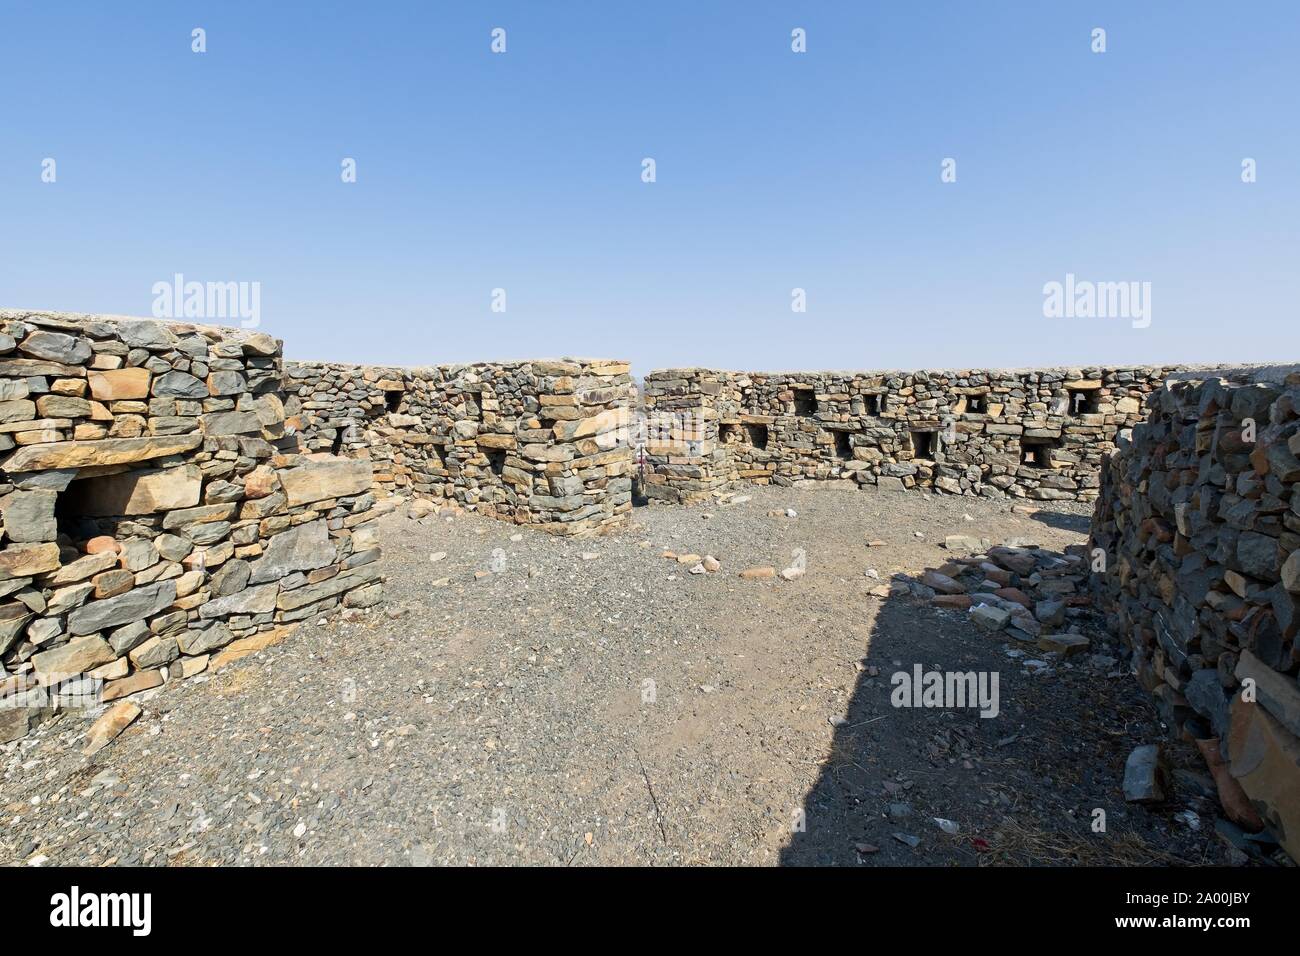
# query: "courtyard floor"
[[591, 702]]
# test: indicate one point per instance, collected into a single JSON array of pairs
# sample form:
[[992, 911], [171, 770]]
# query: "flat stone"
[[1050, 612], [1067, 645], [305, 547], [250, 645], [29, 515], [111, 583], [119, 384], [199, 514], [327, 478], [132, 684], [141, 492], [66, 598], [127, 637], [105, 451], [155, 652], [311, 593], [13, 618], [1263, 757], [1145, 775], [195, 641], [231, 578], [56, 347], [146, 334], [82, 568], [232, 423], [1278, 693], [77, 656], [17, 411], [1291, 573], [989, 617], [51, 407], [26, 560], [137, 554], [177, 384], [941, 582], [254, 600], [111, 723], [135, 605], [17, 722]]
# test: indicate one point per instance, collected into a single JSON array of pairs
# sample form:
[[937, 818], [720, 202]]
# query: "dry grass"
[[1018, 844]]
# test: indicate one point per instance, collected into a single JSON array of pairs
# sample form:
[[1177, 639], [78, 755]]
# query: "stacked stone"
[[684, 459], [1038, 434], [1199, 519], [355, 411], [542, 443], [154, 511], [1033, 596]]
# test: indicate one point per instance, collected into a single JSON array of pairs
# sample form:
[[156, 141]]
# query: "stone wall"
[[1039, 434], [542, 443], [1198, 524], [155, 509]]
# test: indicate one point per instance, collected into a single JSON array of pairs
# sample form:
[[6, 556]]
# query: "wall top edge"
[[64, 319], [1254, 372]]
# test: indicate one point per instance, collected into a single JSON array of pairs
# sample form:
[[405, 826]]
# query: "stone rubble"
[[1025, 593]]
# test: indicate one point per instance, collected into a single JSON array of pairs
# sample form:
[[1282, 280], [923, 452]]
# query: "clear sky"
[[775, 170]]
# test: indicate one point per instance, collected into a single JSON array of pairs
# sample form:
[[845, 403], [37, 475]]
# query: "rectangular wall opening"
[[440, 455], [805, 402], [496, 460], [843, 446], [77, 511], [875, 403], [925, 444], [1036, 454], [1083, 401], [977, 404], [728, 434], [393, 400], [757, 436]]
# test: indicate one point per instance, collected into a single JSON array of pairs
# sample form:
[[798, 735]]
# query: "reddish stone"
[[101, 543], [1016, 595]]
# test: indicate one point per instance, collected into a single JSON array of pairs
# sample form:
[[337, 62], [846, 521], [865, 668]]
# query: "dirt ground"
[[567, 708]]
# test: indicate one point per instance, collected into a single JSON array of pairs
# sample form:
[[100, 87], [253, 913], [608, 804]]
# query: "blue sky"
[[775, 171]]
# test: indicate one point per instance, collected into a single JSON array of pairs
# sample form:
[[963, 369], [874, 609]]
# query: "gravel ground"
[[619, 710]]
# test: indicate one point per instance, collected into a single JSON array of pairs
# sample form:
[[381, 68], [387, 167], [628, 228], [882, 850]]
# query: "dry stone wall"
[[155, 510], [1038, 434], [1198, 524], [542, 443]]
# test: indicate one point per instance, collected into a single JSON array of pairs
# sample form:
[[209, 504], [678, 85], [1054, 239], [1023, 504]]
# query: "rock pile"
[[1199, 523], [1028, 594], [155, 510]]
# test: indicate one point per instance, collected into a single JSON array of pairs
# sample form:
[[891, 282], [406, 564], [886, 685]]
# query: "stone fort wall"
[[1039, 434], [541, 443], [156, 513], [1198, 522]]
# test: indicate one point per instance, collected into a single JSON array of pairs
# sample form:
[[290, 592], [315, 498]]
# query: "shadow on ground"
[[1064, 520], [1021, 787]]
